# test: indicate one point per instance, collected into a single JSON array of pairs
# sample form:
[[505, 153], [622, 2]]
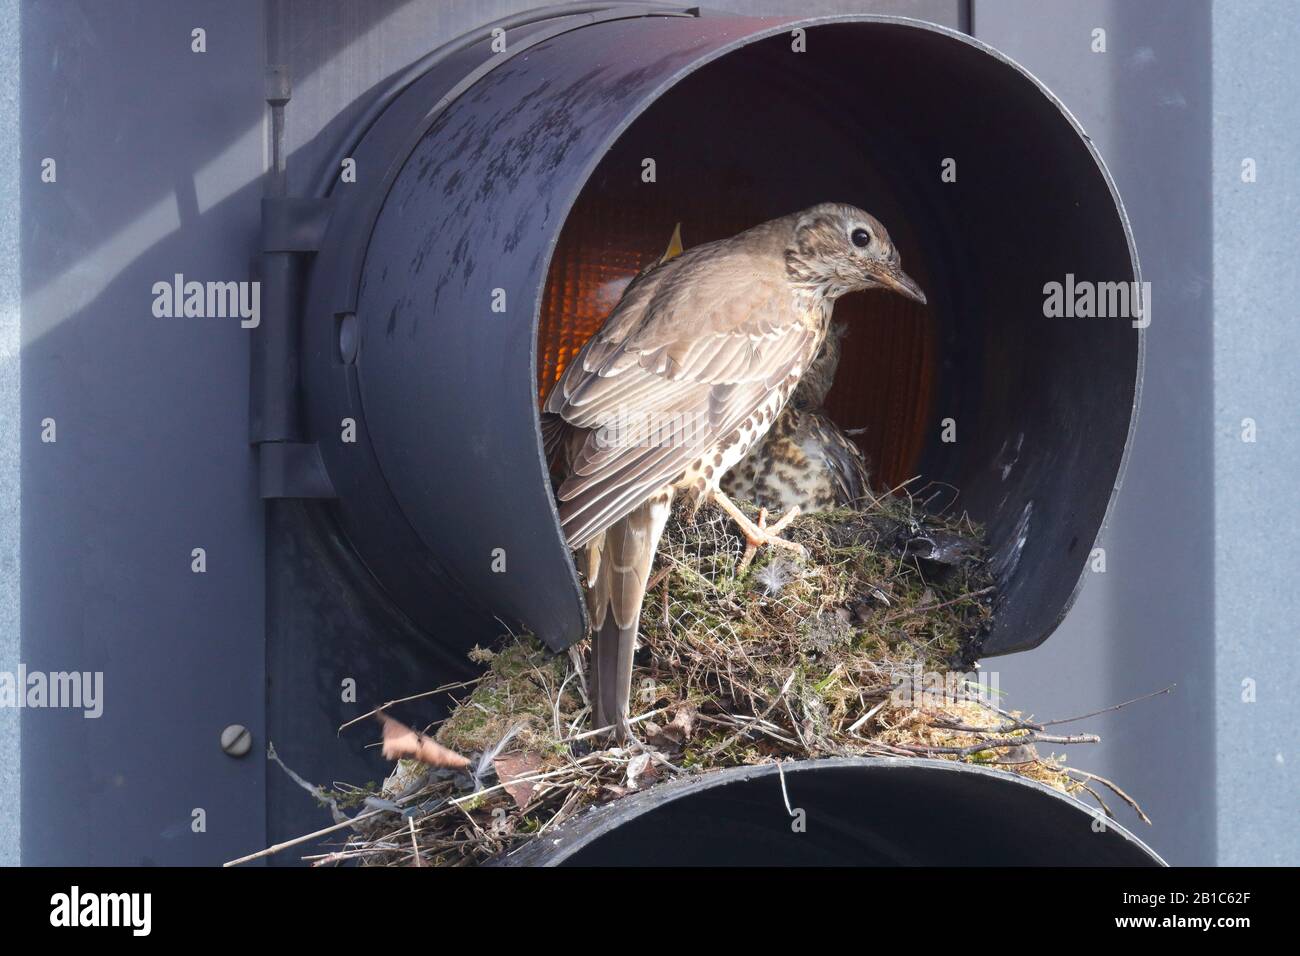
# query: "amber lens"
[[884, 383], [598, 254], [885, 380]]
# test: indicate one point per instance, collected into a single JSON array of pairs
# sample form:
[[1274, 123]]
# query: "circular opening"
[[852, 812], [774, 155], [523, 202], [989, 191]]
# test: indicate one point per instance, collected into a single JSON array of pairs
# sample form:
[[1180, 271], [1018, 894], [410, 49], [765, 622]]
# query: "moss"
[[792, 659], [515, 692]]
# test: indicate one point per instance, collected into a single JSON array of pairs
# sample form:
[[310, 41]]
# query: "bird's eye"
[[861, 238]]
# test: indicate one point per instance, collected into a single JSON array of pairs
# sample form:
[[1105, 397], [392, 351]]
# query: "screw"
[[348, 339], [236, 740]]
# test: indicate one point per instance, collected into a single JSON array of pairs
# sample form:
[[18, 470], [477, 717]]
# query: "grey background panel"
[[1198, 587], [159, 154], [1257, 375], [1149, 620], [10, 432]]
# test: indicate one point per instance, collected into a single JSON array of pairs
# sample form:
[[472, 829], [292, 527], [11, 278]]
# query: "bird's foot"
[[696, 501], [758, 535], [617, 731], [624, 737], [763, 534]]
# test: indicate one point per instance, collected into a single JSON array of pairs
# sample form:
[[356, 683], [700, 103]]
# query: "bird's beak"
[[892, 277]]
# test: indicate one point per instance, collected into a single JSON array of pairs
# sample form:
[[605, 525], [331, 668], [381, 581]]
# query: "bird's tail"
[[618, 569]]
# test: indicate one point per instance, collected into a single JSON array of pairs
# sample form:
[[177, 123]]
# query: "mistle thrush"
[[805, 460], [689, 371]]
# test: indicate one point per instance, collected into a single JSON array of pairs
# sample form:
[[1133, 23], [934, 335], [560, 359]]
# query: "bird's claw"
[[758, 535]]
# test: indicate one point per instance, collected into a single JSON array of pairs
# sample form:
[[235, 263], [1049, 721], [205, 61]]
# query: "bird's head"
[[840, 248]]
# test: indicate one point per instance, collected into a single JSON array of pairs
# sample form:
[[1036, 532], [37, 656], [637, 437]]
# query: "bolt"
[[348, 339], [236, 740]]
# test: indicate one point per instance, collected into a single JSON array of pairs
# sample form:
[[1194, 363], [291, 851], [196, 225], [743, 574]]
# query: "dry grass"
[[792, 660]]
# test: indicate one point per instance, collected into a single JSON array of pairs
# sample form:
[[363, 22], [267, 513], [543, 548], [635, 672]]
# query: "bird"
[[689, 370], [805, 460]]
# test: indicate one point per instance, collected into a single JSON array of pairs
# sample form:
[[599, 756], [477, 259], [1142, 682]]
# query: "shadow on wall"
[[152, 457]]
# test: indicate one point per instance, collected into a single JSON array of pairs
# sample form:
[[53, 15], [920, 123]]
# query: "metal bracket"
[[289, 466], [293, 470], [294, 224]]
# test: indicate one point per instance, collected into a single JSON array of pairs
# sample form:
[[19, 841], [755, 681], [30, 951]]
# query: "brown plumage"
[[688, 372], [805, 460]]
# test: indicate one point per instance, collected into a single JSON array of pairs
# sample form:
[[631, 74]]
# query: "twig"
[[762, 718], [606, 729], [1115, 788], [785, 794], [928, 608], [415, 845], [994, 744], [1107, 710], [522, 778], [271, 850], [854, 727], [402, 700], [559, 695], [1019, 723], [1100, 802]]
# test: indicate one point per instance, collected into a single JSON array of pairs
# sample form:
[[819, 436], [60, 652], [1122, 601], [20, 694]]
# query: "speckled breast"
[[706, 472]]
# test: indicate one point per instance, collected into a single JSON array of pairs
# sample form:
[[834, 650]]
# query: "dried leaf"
[[635, 768], [513, 766], [400, 742], [683, 721], [674, 735]]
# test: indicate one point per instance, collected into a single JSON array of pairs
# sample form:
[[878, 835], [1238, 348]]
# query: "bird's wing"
[[689, 353], [843, 459]]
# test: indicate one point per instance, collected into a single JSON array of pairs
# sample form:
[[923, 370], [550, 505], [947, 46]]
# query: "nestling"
[[805, 460], [701, 355]]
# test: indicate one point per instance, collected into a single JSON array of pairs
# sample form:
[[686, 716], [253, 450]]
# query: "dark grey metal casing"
[[389, 584], [862, 811], [470, 208]]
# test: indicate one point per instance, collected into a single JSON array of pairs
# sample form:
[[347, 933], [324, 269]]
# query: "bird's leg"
[[623, 735], [757, 535], [751, 548]]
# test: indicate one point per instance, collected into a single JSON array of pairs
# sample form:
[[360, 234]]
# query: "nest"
[[866, 648]]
